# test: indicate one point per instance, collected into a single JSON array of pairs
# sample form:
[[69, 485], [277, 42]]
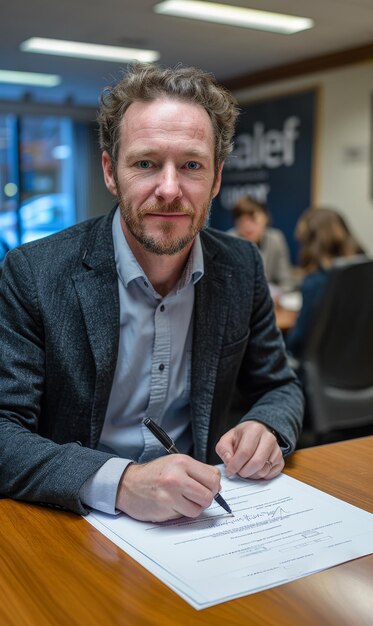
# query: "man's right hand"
[[167, 488]]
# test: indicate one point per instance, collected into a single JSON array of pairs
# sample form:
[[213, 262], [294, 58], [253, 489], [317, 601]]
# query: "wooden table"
[[57, 570]]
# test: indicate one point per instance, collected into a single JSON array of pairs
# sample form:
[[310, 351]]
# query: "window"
[[36, 177], [9, 190]]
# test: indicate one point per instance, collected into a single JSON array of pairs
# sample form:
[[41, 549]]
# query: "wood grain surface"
[[57, 570]]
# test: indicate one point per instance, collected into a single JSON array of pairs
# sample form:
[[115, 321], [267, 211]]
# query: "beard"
[[166, 243]]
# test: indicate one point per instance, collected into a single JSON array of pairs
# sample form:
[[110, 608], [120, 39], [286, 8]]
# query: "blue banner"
[[271, 162]]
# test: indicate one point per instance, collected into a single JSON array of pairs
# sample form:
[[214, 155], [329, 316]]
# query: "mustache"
[[173, 207]]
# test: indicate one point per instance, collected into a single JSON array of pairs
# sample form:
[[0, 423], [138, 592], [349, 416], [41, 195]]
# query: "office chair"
[[338, 357]]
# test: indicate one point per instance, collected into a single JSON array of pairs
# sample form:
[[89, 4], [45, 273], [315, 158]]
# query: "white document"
[[281, 530]]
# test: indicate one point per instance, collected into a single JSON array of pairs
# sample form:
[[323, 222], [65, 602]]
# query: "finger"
[[266, 469], [276, 470], [189, 496], [198, 494], [245, 451], [262, 462], [205, 475], [187, 508], [226, 446], [193, 481], [270, 469], [249, 439], [239, 443]]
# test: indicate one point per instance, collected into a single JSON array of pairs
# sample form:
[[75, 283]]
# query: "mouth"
[[167, 216]]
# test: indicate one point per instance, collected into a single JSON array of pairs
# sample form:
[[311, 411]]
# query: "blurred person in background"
[[251, 220], [324, 238]]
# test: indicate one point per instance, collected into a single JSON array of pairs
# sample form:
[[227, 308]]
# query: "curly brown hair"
[[323, 235], [144, 82]]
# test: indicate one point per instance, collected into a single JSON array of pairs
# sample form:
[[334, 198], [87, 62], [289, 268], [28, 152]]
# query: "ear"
[[217, 181], [107, 168]]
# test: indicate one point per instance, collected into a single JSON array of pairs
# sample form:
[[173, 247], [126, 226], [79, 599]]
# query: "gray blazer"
[[59, 317]]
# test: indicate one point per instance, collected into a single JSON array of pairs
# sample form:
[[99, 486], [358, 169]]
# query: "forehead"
[[167, 121]]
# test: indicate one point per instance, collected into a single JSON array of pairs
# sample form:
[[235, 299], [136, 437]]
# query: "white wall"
[[344, 170]]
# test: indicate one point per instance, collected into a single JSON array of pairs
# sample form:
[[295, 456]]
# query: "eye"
[[144, 164], [193, 165]]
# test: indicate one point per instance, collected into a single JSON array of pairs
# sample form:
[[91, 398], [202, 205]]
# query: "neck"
[[162, 270]]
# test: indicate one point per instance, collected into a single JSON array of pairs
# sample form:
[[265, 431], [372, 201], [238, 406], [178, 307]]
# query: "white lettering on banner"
[[265, 149], [230, 194]]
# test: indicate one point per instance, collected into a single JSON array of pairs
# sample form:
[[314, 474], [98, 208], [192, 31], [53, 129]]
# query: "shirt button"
[[146, 284], [162, 307], [161, 367]]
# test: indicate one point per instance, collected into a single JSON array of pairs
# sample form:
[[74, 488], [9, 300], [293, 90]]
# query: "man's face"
[[252, 227], [165, 178]]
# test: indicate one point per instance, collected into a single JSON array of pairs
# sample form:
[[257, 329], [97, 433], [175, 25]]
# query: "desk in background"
[[287, 307], [285, 319], [57, 570]]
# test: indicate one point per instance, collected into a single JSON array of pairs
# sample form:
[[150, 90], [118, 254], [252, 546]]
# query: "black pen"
[[169, 445]]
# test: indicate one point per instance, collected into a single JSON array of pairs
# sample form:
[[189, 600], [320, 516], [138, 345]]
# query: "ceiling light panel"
[[234, 16], [80, 50], [29, 78]]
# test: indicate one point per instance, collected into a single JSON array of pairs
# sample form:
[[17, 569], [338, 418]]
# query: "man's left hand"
[[251, 451]]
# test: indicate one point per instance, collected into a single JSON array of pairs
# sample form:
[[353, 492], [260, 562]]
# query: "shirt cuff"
[[100, 490]]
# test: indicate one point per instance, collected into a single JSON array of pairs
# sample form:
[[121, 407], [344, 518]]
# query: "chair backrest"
[[338, 357]]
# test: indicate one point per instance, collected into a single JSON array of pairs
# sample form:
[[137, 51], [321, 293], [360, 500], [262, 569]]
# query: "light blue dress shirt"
[[153, 371]]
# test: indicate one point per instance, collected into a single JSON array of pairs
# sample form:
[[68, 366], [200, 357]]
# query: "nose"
[[168, 187]]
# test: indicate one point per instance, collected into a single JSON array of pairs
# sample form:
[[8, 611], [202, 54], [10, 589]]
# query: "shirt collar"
[[129, 269]]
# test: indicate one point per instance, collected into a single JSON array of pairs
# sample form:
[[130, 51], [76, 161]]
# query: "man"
[[251, 219], [143, 313]]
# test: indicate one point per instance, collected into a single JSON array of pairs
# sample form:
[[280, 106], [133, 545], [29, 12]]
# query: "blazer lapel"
[[97, 290], [212, 296]]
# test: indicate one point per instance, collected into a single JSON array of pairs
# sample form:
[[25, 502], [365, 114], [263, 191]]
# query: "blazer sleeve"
[[32, 467]]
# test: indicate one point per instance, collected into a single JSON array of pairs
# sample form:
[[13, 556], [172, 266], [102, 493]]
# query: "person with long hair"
[[324, 238]]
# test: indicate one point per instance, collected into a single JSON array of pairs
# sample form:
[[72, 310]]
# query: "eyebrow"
[[148, 153]]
